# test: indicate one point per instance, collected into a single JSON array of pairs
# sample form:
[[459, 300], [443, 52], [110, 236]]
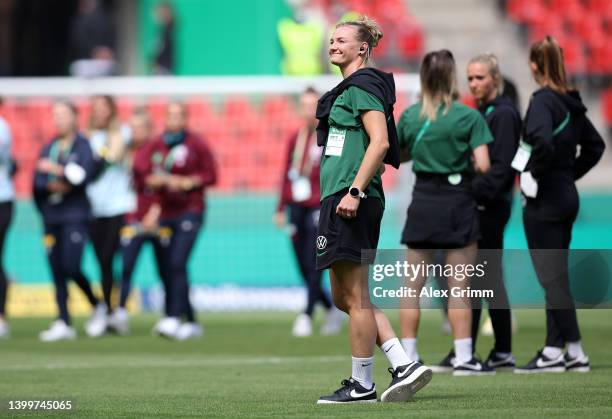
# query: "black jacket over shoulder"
[[555, 125], [505, 123], [375, 82]]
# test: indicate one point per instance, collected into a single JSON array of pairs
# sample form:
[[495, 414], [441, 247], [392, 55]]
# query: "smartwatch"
[[356, 193]]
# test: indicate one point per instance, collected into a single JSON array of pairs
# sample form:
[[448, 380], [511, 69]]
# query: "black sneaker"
[[498, 362], [406, 380], [472, 367], [580, 364], [446, 365], [350, 392], [541, 363]]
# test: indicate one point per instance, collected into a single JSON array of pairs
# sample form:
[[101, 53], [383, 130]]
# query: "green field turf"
[[248, 365]]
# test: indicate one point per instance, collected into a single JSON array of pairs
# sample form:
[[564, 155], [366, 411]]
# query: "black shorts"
[[344, 238], [441, 215]]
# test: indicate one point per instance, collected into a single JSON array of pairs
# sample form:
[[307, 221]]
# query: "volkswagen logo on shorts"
[[321, 242]]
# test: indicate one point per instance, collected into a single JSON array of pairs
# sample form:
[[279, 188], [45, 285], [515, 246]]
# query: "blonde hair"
[[547, 56], [115, 143], [492, 63], [368, 31], [438, 83]]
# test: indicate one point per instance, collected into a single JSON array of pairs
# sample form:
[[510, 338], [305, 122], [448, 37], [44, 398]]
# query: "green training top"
[[341, 160], [445, 145]]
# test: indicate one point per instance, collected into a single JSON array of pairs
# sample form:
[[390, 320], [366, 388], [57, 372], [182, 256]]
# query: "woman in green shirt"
[[355, 122], [447, 143]]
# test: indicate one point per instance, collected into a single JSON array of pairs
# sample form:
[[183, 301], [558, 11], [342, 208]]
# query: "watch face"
[[354, 192]]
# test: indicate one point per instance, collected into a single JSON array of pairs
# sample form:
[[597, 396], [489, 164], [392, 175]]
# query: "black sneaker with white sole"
[[472, 367], [578, 364], [406, 380], [498, 362], [350, 392], [446, 365], [541, 363]]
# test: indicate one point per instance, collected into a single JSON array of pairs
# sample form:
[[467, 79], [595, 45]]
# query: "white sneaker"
[[96, 325], [334, 320], [59, 330], [302, 326], [189, 331], [167, 327], [119, 321], [4, 330]]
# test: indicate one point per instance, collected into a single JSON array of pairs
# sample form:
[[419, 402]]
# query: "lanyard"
[[300, 150], [54, 153], [421, 133], [169, 160], [562, 126]]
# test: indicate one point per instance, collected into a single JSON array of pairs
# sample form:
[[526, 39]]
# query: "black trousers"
[[130, 250], [551, 267], [6, 215], [305, 221], [493, 222], [64, 244], [176, 250], [105, 239]]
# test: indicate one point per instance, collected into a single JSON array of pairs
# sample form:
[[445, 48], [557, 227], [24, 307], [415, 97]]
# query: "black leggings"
[[305, 221], [176, 251], [105, 239], [492, 224], [64, 244], [551, 267], [130, 249], [6, 214]]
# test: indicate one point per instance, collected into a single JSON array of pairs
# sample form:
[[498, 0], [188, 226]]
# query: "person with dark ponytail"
[[357, 128], [560, 146]]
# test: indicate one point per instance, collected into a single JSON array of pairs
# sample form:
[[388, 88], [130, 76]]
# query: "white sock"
[[552, 352], [362, 371], [463, 350], [410, 346], [395, 353], [503, 354], [574, 349]]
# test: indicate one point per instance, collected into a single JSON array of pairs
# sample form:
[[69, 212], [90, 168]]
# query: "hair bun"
[[373, 28]]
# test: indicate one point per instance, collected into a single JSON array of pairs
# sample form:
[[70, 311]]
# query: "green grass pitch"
[[248, 365]]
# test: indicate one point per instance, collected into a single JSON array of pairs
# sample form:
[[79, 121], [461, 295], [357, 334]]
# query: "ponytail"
[[547, 56]]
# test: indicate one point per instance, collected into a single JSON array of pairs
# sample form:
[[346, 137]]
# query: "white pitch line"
[[210, 362]]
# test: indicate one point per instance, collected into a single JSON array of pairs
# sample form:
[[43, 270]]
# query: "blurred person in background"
[[493, 192], [64, 168], [300, 196], [142, 224], [109, 192], [447, 142], [164, 55], [7, 196], [182, 168], [92, 39], [561, 145], [357, 128]]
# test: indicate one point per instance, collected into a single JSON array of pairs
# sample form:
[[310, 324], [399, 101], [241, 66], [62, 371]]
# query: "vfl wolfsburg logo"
[[321, 242]]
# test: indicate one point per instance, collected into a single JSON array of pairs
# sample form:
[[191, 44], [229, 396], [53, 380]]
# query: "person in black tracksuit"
[[555, 126], [493, 192], [64, 168]]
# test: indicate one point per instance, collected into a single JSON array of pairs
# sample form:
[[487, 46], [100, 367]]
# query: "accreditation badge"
[[300, 189], [335, 142], [521, 158]]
